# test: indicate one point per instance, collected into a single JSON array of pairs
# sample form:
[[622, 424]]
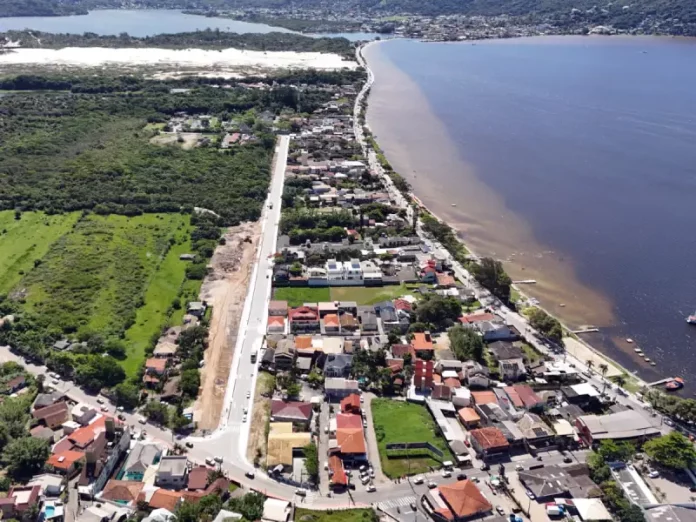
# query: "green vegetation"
[[491, 274], [368, 295], [438, 311], [296, 296], [25, 241], [545, 324], [673, 450], [344, 515], [466, 344], [312, 461], [672, 405], [405, 422], [445, 235], [530, 353], [207, 39]]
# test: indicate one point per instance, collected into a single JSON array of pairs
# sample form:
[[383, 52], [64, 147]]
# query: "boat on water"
[[675, 384], [629, 340], [647, 359], [638, 350], [691, 319]]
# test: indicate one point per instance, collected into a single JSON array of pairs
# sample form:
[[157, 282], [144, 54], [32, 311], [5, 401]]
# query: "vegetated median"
[[401, 422]]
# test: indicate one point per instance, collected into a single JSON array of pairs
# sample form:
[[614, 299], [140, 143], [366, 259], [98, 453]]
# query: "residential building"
[[276, 510], [552, 481], [278, 308], [510, 360], [337, 473], [284, 355], [83, 413], [350, 438], [530, 400], [122, 491], [338, 365], [52, 416], [141, 457], [197, 308], [492, 331], [624, 425], [422, 344], [276, 324], [332, 325], [327, 307], [336, 389], [535, 431], [349, 324], [172, 472], [476, 374], [297, 413], [43, 400], [284, 444], [156, 365], [469, 418], [334, 270], [19, 499], [352, 270], [456, 502], [351, 404], [166, 345], [371, 273], [423, 375], [368, 321], [197, 478], [489, 442], [304, 319]]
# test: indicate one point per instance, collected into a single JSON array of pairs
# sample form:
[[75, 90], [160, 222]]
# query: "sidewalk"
[[371, 439]]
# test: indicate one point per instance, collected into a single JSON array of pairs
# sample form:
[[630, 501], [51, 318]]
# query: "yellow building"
[[281, 443]]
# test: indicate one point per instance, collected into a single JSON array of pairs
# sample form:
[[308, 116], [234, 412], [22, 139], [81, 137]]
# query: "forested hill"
[[207, 39]]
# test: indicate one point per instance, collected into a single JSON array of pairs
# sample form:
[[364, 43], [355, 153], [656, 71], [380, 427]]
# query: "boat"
[[653, 363], [638, 350], [691, 319], [629, 340], [454, 204], [675, 384], [647, 359]]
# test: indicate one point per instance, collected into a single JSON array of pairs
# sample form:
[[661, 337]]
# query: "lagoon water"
[[573, 159], [143, 22]]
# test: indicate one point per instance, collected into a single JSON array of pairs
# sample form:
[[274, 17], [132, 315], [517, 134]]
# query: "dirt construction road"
[[225, 289]]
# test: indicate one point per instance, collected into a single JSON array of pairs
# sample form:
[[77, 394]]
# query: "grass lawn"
[[96, 278], [346, 515], [295, 296], [163, 288], [397, 421], [24, 241], [530, 353], [368, 295]]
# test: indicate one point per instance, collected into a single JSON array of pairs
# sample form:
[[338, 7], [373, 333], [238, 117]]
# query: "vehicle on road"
[[654, 473], [54, 382], [244, 419], [519, 467], [142, 420], [249, 474], [301, 492], [500, 510], [189, 444], [326, 465], [669, 422], [419, 479], [432, 485], [100, 400], [218, 459], [210, 461], [365, 479], [530, 494], [567, 460], [461, 476], [104, 408], [121, 417], [446, 473], [248, 394], [370, 488]]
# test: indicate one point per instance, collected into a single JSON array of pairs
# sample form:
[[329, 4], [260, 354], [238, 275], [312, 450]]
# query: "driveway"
[[371, 439]]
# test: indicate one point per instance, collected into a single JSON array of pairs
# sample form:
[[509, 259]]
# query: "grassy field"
[[530, 353], [368, 295], [95, 278], [163, 287], [26, 240], [297, 296], [347, 515], [397, 421]]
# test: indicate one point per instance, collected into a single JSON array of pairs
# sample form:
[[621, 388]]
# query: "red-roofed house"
[[514, 397], [452, 382], [423, 375], [339, 479], [351, 404], [445, 281], [304, 319], [299, 413], [197, 478], [122, 491], [484, 397], [332, 324], [529, 399], [65, 462], [399, 350], [278, 308], [276, 324], [52, 416], [441, 392], [489, 441], [350, 438], [163, 499], [422, 343], [402, 304], [458, 502], [156, 365], [469, 418], [477, 318], [18, 500]]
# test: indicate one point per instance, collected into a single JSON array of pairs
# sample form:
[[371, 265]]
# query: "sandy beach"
[[229, 60]]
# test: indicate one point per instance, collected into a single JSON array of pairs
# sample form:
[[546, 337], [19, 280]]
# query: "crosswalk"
[[397, 502]]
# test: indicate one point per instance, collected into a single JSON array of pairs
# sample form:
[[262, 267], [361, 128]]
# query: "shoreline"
[[631, 376]]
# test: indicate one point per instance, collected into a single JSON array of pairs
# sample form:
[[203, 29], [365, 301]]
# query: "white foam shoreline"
[[196, 58]]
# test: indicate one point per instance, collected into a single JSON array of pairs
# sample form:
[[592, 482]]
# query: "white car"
[[519, 467], [210, 461], [362, 399], [654, 474], [218, 459], [446, 473], [54, 381], [142, 420], [100, 400], [248, 394], [244, 419], [419, 479], [669, 422], [104, 408], [370, 488]]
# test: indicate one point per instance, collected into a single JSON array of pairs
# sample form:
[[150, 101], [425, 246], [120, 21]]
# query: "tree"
[[13, 419], [293, 389], [99, 372], [25, 457], [312, 461], [250, 506], [673, 450], [612, 451], [127, 395], [315, 379], [465, 343], [438, 310], [115, 349], [190, 382], [157, 412], [491, 274], [589, 363], [546, 325]]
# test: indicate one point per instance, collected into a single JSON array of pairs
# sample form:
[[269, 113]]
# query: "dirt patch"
[[225, 289], [258, 434], [187, 140]]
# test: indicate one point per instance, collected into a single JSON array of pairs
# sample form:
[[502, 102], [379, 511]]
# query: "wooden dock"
[[586, 330]]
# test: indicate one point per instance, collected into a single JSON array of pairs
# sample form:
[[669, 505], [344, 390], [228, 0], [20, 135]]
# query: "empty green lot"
[[399, 421], [347, 515], [26, 240], [295, 296]]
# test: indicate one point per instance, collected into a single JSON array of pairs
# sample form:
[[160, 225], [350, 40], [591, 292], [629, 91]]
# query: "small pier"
[[525, 282], [589, 329], [661, 381]]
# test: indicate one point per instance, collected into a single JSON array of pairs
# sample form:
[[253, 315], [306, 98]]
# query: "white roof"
[[449, 373], [275, 510], [585, 389], [591, 509], [224, 515], [563, 427], [160, 515]]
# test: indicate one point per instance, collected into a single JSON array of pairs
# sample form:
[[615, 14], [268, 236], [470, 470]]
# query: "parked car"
[[446, 473], [189, 444], [301, 492], [419, 479], [567, 460], [365, 479], [519, 467], [249, 474], [654, 473], [210, 461], [432, 485], [370, 488], [530, 494], [500, 510], [100, 400], [218, 459], [461, 476]]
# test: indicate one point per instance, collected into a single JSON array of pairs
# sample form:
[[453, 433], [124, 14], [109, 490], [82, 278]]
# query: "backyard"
[[397, 421], [296, 296], [367, 295]]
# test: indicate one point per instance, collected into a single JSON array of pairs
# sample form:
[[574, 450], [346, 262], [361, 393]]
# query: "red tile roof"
[[198, 478], [52, 415], [163, 498], [82, 437], [445, 280], [484, 397], [351, 403], [527, 395], [399, 350], [338, 477], [303, 342], [441, 392], [65, 459], [395, 365], [402, 304], [351, 440], [469, 415], [331, 320], [126, 490], [464, 499], [348, 420], [304, 313], [514, 397], [490, 438], [296, 410], [452, 382], [422, 341], [276, 320], [477, 318], [156, 364]]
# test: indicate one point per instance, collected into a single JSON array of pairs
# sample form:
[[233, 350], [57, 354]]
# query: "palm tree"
[[603, 368], [589, 363], [620, 382]]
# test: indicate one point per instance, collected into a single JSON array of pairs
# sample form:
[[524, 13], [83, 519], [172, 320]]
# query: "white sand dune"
[[194, 58]]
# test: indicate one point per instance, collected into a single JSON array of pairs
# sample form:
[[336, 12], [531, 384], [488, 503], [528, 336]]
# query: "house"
[[552, 481], [423, 375], [530, 400], [428, 275], [141, 457], [298, 413], [197, 308], [510, 360], [349, 323], [338, 365], [19, 499], [337, 473], [582, 395], [461, 397], [534, 430], [172, 472], [351, 404], [61, 345], [476, 374], [445, 280], [122, 491], [371, 273], [304, 319], [284, 444], [327, 307], [50, 485], [278, 308], [197, 478], [624, 425], [469, 418], [492, 331], [441, 392], [332, 325], [334, 270], [368, 321], [65, 462], [336, 389], [83, 413], [161, 498], [276, 510], [156, 365], [44, 400], [284, 355], [166, 344], [276, 324], [15, 384], [422, 344], [456, 502], [350, 438], [489, 442], [484, 397], [52, 416]]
